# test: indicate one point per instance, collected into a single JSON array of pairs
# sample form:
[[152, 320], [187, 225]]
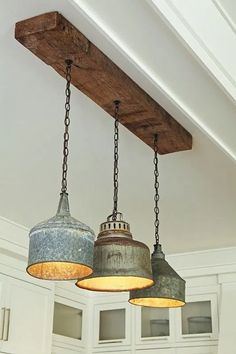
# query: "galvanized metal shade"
[[169, 287], [120, 263], [61, 248]]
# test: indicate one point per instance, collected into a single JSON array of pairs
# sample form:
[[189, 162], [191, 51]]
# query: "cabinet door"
[[198, 319], [108, 332], [197, 350], [112, 326], [154, 322], [58, 350], [2, 308], [29, 318], [69, 323], [152, 325], [157, 351]]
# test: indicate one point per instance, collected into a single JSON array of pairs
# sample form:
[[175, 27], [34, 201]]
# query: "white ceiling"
[[228, 10], [198, 187]]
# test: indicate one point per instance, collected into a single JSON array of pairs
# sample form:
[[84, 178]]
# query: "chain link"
[[67, 123], [116, 158], [156, 186]]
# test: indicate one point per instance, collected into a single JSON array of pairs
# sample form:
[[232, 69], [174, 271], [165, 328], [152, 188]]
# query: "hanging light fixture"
[[61, 248], [169, 287], [120, 263]]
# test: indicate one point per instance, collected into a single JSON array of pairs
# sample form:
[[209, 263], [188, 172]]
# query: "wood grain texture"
[[53, 39]]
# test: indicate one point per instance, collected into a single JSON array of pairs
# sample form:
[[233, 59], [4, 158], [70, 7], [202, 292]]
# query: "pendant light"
[[61, 248], [120, 263], [169, 287]]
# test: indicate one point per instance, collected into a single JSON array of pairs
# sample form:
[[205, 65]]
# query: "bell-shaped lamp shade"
[[169, 287], [120, 263], [61, 248]]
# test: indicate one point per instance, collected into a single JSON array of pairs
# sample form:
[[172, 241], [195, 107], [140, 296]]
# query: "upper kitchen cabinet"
[[70, 319], [198, 319], [152, 325], [112, 323], [25, 317]]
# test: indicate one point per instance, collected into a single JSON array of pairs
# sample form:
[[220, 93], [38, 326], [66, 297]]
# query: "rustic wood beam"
[[53, 39]]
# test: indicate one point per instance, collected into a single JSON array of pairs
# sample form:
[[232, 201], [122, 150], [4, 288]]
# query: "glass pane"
[[196, 317], [67, 321], [154, 322], [112, 324]]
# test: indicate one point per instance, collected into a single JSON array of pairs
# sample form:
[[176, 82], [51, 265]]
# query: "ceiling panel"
[[197, 188]]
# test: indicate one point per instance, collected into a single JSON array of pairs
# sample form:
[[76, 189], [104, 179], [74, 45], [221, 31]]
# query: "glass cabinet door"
[[70, 320], [154, 322], [112, 324], [196, 317], [67, 321]]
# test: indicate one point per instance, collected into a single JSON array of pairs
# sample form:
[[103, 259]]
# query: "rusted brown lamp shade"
[[61, 248], [169, 287], [120, 263]]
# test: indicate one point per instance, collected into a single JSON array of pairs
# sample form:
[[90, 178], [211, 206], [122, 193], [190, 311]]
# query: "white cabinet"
[[3, 322], [112, 351], [197, 350], [62, 351], [193, 324], [119, 326], [153, 327], [198, 319], [160, 351], [70, 320], [186, 350], [67, 320], [107, 331], [155, 322], [68, 323], [112, 324], [26, 312], [58, 350]]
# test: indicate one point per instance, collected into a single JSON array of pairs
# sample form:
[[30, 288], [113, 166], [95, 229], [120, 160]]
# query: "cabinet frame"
[[115, 342], [14, 313], [2, 308], [67, 342], [161, 340], [212, 297]]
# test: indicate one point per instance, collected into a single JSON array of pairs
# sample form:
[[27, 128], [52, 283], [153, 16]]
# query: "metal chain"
[[156, 186], [116, 158], [67, 123]]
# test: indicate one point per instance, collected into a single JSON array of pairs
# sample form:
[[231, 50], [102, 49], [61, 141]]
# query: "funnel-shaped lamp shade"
[[169, 287], [120, 263], [61, 248]]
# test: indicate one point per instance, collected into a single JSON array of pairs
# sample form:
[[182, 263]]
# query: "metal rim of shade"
[[112, 283], [157, 302], [41, 269]]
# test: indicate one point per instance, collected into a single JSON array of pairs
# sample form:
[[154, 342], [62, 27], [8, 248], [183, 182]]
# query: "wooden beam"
[[53, 39]]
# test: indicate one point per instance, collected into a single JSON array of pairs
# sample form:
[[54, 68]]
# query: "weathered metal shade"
[[169, 287], [120, 263], [61, 248]]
